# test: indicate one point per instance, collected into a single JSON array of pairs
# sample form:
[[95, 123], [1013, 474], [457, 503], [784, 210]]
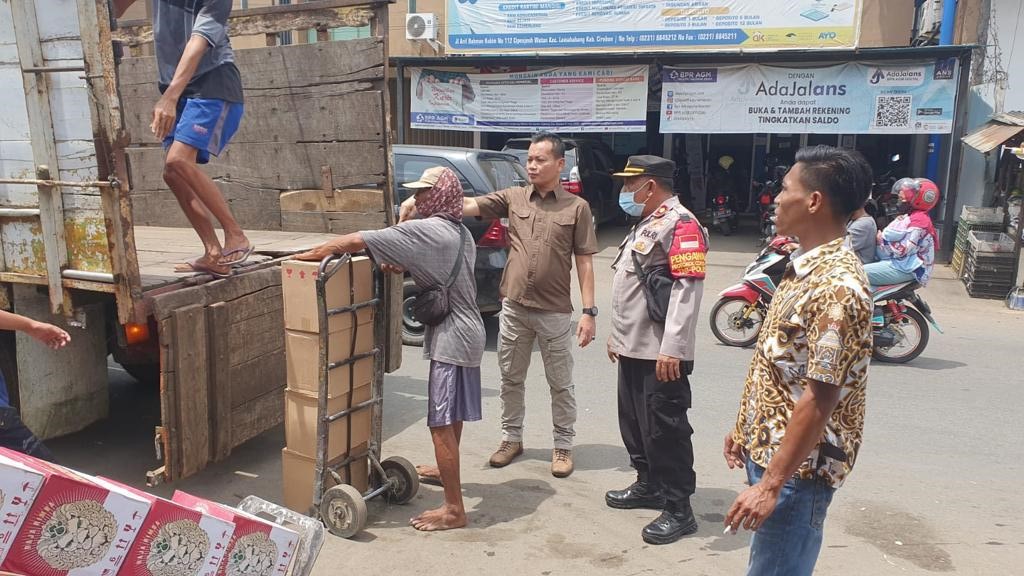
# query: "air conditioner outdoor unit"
[[420, 26]]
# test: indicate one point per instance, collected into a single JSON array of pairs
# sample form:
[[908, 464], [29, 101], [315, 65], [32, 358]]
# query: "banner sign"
[[850, 98], [482, 26], [576, 99]]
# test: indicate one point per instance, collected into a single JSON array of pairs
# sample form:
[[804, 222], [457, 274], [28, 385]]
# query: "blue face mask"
[[628, 205]]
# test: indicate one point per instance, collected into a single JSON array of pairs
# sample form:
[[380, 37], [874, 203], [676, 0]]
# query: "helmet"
[[920, 193], [725, 162]]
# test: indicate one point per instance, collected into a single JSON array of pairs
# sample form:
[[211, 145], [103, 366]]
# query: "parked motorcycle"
[[900, 334]]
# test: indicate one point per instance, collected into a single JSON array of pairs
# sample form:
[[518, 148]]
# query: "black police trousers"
[[655, 429]]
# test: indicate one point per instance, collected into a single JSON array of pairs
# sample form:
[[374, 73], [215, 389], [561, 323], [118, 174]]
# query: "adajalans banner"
[[851, 98], [482, 26], [577, 99]]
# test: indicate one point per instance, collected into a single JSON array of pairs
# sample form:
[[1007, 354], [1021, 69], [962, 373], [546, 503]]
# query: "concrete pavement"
[[932, 491]]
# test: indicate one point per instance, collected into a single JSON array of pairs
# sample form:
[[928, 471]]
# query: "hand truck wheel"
[[343, 510], [405, 482]]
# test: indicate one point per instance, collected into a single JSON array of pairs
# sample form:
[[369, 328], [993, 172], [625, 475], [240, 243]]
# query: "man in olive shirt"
[[548, 228]]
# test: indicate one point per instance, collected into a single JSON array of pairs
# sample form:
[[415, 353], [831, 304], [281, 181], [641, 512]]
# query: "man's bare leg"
[[181, 165], [431, 471], [453, 513]]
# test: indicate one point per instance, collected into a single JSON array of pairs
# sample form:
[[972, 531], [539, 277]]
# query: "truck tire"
[[145, 374]]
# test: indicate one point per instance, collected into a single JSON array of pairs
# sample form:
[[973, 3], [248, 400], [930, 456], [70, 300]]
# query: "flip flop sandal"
[[194, 268], [245, 254], [431, 480]]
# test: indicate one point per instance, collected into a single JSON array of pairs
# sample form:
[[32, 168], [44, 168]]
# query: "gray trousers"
[[521, 326]]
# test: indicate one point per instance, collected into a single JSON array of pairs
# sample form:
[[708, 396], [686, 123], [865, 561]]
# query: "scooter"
[[899, 327], [723, 217]]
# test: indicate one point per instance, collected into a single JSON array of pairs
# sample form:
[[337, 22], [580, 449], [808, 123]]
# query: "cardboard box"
[[298, 287], [257, 547], [299, 472], [174, 540], [300, 422], [19, 485], [302, 354], [76, 526]]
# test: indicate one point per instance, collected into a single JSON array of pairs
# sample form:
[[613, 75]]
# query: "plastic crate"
[[979, 215], [990, 242]]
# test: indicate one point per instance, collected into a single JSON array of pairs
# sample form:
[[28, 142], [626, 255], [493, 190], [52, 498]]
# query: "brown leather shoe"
[[561, 462], [506, 453]]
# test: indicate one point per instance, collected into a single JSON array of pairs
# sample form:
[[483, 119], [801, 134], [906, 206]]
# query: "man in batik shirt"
[[801, 418]]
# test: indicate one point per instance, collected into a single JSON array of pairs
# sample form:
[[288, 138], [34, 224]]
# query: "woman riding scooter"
[[906, 248]]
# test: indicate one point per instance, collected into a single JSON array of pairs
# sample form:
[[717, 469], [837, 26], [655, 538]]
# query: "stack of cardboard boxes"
[[348, 335]]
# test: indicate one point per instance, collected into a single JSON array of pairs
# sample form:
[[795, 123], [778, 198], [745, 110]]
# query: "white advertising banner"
[[508, 26], [571, 99], [850, 98]]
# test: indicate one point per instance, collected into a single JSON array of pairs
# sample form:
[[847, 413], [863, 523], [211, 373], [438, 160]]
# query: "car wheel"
[[413, 331]]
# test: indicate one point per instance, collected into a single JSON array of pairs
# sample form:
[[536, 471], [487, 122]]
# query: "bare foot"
[[443, 518], [429, 474]]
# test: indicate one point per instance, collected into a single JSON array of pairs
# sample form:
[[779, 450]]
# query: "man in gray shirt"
[[199, 111], [427, 249]]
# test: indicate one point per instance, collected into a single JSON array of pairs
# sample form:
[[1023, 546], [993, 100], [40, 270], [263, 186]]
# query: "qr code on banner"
[[892, 111]]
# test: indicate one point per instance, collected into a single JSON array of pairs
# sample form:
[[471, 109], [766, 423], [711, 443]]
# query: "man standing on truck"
[[199, 112], [437, 251], [14, 435], [548, 228]]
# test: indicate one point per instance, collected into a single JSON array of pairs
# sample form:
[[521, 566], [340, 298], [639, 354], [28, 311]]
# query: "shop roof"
[[1001, 128]]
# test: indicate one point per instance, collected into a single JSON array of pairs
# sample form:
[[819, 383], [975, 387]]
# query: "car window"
[[409, 168], [502, 172]]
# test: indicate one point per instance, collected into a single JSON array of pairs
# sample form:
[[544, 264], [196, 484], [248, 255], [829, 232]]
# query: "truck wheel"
[[145, 374], [413, 331]]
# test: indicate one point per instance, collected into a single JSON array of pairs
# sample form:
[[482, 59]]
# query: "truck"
[[89, 232]]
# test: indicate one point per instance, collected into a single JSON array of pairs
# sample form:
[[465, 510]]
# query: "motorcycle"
[[899, 330], [723, 217]]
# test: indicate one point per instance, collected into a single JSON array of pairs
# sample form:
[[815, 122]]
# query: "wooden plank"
[[169, 401], [257, 416], [282, 67], [318, 113], [280, 165], [253, 208], [255, 337], [345, 200], [221, 397], [192, 364], [109, 140], [237, 286], [260, 21], [333, 222], [257, 377], [44, 147], [256, 304]]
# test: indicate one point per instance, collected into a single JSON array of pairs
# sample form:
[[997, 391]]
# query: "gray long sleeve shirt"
[[634, 334]]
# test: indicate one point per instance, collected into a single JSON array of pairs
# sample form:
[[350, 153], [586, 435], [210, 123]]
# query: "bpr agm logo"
[[903, 76], [690, 75]]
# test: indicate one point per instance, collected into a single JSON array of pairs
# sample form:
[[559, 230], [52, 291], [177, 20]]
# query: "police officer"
[[656, 356]]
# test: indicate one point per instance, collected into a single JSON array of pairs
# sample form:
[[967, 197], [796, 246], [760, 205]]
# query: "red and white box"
[[176, 540], [257, 548], [19, 484], [76, 526]]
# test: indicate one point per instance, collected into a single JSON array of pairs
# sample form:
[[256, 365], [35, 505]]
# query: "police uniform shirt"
[[634, 334]]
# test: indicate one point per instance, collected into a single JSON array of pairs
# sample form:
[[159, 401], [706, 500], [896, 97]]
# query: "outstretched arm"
[[48, 334], [341, 245]]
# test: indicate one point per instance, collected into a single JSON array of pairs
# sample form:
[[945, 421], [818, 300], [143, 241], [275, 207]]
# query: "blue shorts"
[[206, 125]]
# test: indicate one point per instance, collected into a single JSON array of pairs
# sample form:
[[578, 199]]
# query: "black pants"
[[655, 430], [15, 436]]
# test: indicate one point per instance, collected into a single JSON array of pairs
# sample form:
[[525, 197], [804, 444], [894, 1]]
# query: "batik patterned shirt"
[[818, 327]]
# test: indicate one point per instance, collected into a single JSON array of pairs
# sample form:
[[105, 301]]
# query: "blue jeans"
[[788, 542], [883, 273]]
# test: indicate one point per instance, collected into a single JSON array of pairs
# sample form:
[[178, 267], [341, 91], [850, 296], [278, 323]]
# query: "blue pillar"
[[945, 39]]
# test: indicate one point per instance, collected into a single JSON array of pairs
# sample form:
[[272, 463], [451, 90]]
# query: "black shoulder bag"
[[432, 306], [657, 285]]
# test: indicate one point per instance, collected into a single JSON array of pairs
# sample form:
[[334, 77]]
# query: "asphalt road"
[[932, 491]]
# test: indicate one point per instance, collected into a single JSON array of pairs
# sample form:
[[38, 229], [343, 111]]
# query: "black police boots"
[[638, 495], [671, 525]]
